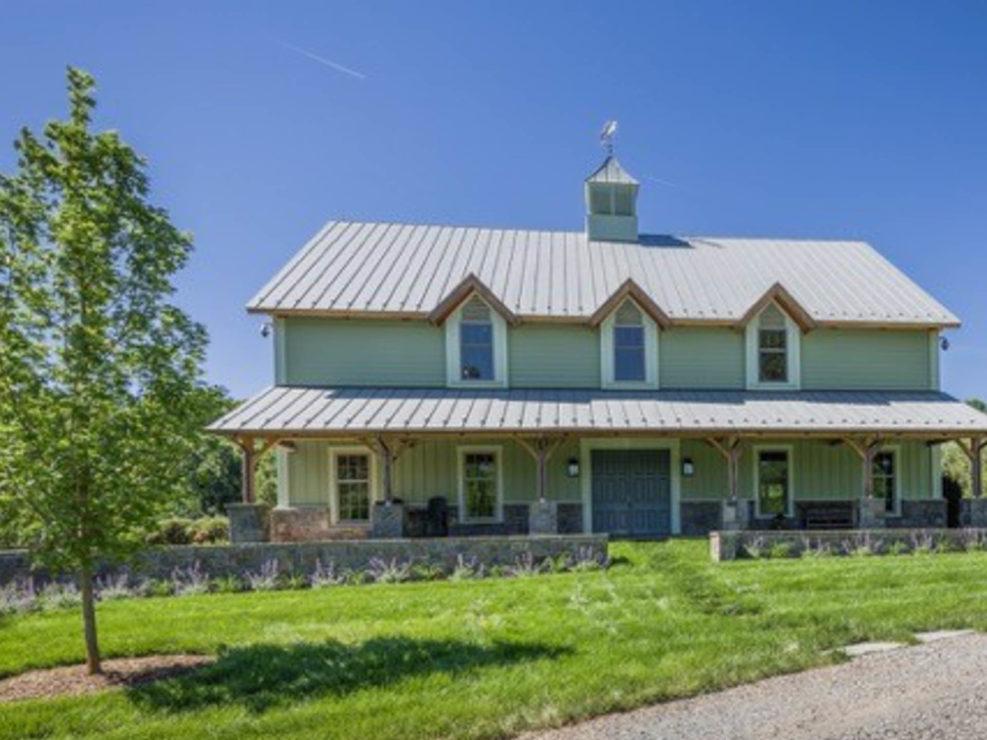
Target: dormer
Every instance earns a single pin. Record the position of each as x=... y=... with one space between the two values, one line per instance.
x=611 y=203
x=773 y=327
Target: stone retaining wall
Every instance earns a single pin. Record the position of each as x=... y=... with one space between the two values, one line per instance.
x=739 y=544
x=301 y=557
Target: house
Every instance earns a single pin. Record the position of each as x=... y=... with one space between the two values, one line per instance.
x=601 y=380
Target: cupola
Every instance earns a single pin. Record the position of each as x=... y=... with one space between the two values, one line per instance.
x=611 y=203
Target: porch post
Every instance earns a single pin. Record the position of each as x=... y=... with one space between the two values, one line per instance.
x=542 y=516
x=976 y=467
x=247 y=468
x=732 y=449
x=866 y=449
x=387 y=458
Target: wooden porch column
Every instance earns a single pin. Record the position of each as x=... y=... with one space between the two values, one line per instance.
x=972 y=449
x=542 y=448
x=866 y=449
x=251 y=455
x=388 y=450
x=732 y=449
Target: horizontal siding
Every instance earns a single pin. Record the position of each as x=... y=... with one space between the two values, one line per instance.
x=702 y=358
x=554 y=356
x=323 y=351
x=865 y=359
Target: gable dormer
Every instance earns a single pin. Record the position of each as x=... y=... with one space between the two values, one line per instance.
x=611 y=203
x=773 y=336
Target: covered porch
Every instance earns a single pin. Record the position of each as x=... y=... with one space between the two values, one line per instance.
x=356 y=463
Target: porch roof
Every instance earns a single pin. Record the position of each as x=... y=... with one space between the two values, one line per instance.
x=281 y=411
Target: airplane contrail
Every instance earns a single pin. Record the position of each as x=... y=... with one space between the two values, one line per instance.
x=327 y=62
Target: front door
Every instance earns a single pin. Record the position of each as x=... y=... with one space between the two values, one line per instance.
x=632 y=492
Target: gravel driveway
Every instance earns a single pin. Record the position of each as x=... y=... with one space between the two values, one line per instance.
x=936 y=690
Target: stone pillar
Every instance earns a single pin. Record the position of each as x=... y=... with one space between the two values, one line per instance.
x=543 y=518
x=249 y=522
x=973 y=512
x=387 y=520
x=871 y=513
x=734 y=514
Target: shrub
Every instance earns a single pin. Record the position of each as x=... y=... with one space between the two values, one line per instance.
x=60 y=596
x=427 y=572
x=18 y=597
x=526 y=565
x=228 y=584
x=295 y=582
x=164 y=587
x=210 y=530
x=176 y=530
x=467 y=567
x=821 y=550
x=780 y=550
x=898 y=547
x=498 y=571
x=587 y=559
x=356 y=577
x=189 y=581
x=327 y=575
x=559 y=564
x=268 y=578
x=111 y=589
x=383 y=571
x=754 y=548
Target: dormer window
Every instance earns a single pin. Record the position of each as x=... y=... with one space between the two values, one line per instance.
x=628 y=344
x=476 y=344
x=629 y=348
x=773 y=344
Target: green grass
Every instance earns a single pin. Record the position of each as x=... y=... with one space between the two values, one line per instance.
x=485 y=658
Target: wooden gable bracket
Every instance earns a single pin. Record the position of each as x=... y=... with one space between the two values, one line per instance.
x=388 y=448
x=777 y=293
x=732 y=449
x=630 y=289
x=460 y=294
x=541 y=449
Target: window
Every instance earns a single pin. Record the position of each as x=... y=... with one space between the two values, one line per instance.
x=476 y=353
x=773 y=351
x=773 y=482
x=885 y=485
x=479 y=485
x=353 y=487
x=628 y=344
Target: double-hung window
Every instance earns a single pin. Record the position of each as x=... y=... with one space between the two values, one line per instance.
x=476 y=342
x=479 y=484
x=628 y=344
x=772 y=347
x=773 y=482
x=353 y=487
x=885 y=483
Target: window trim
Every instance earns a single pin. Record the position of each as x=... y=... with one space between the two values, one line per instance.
x=651 y=351
x=453 y=359
x=335 y=452
x=895 y=451
x=498 y=453
x=793 y=349
x=790 y=503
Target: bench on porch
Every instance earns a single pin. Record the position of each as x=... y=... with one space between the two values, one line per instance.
x=826 y=515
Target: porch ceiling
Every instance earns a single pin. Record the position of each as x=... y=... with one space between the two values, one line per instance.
x=339 y=412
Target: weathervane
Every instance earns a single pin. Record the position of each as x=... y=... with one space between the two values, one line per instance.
x=606 y=136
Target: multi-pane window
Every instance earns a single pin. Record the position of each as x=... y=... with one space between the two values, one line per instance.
x=476 y=353
x=772 y=347
x=480 y=485
x=773 y=482
x=353 y=487
x=884 y=479
x=628 y=344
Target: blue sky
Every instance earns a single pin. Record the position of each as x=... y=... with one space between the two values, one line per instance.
x=806 y=119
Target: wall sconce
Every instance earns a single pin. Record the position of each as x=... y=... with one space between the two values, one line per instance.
x=688 y=468
x=572 y=468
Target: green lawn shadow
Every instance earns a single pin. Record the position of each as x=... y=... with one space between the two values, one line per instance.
x=260 y=677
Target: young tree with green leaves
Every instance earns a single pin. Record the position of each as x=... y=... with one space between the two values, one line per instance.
x=99 y=400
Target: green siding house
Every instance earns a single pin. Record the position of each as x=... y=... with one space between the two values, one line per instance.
x=538 y=382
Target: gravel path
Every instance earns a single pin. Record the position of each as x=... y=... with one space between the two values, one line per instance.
x=936 y=690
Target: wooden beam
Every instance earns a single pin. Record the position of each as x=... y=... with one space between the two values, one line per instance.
x=732 y=448
x=541 y=449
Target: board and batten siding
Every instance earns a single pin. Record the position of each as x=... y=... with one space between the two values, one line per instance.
x=554 y=356
x=867 y=359
x=699 y=357
x=822 y=471
x=321 y=351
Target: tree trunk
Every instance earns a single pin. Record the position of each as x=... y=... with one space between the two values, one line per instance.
x=93 y=664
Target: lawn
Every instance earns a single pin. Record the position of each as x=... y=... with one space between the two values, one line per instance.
x=485 y=658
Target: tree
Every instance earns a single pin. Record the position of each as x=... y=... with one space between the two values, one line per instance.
x=97 y=370
x=955 y=463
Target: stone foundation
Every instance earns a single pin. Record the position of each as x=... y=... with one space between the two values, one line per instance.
x=699 y=518
x=570 y=517
x=387 y=521
x=222 y=560
x=921 y=513
x=249 y=522
x=310 y=524
x=543 y=518
x=973 y=512
x=733 y=545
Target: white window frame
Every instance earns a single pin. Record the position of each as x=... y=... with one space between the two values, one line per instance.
x=335 y=452
x=790 y=503
x=498 y=453
x=895 y=451
x=793 y=355
x=453 y=365
x=651 y=350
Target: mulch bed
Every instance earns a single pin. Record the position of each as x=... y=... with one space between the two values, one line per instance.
x=117 y=673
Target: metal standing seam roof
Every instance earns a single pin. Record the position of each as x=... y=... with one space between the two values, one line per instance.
x=314 y=411
x=406 y=269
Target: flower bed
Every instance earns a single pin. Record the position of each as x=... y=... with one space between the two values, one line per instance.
x=862 y=542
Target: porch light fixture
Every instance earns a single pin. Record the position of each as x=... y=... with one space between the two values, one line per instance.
x=688 y=468
x=572 y=468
